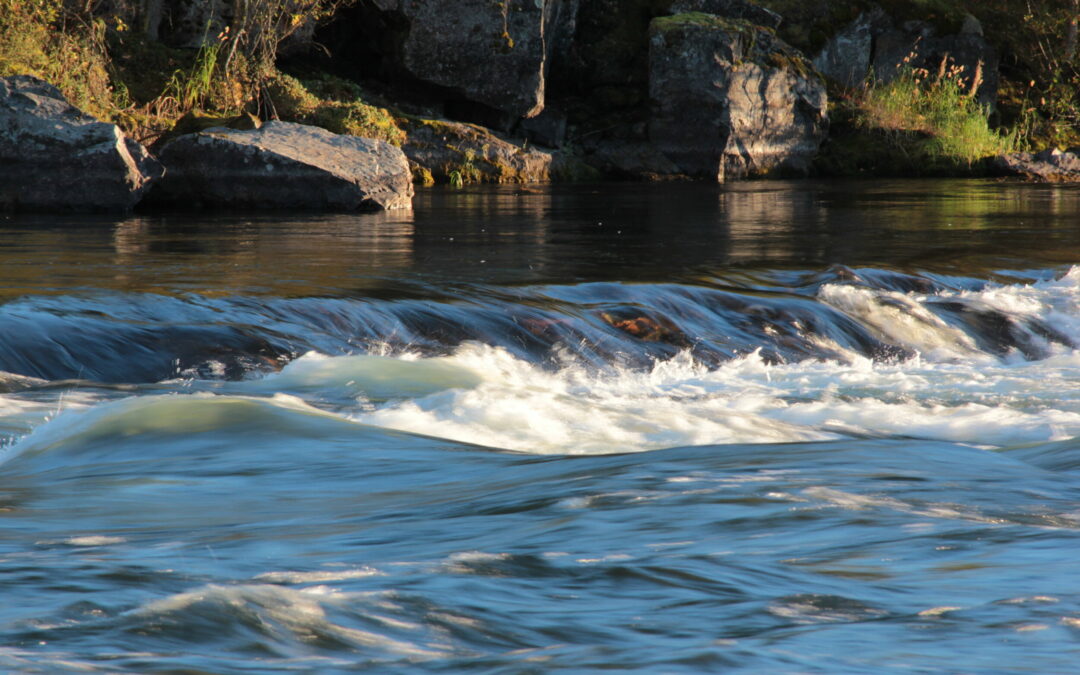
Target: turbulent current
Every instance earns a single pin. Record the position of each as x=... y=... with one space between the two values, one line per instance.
x=775 y=427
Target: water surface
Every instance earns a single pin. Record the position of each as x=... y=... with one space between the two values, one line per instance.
x=765 y=427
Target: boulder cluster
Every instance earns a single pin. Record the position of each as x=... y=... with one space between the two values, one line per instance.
x=53 y=157
x=623 y=88
x=696 y=88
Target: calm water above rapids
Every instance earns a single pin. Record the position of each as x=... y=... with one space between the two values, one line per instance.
x=766 y=428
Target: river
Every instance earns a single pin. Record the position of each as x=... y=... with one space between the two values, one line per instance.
x=785 y=427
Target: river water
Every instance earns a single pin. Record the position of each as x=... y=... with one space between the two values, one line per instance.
x=785 y=427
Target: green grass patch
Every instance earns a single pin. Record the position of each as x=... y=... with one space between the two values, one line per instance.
x=941 y=107
x=915 y=124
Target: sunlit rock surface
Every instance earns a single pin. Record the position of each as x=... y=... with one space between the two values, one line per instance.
x=730 y=99
x=54 y=157
x=283 y=166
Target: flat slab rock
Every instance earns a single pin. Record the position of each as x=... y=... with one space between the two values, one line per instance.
x=283 y=166
x=55 y=157
x=1049 y=166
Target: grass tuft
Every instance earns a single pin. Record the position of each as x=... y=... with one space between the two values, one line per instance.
x=939 y=110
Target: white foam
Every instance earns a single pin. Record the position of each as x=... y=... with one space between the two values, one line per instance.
x=320 y=577
x=949 y=391
x=300 y=612
x=94 y=540
x=522 y=407
x=900 y=319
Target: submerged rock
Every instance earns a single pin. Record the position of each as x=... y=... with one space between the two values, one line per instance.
x=54 y=157
x=730 y=99
x=282 y=165
x=1048 y=166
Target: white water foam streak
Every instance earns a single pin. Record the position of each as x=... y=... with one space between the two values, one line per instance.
x=678 y=402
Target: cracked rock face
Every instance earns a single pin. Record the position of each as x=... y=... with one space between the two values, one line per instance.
x=492 y=52
x=283 y=166
x=730 y=99
x=54 y=157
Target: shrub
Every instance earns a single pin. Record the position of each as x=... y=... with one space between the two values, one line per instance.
x=66 y=48
x=941 y=107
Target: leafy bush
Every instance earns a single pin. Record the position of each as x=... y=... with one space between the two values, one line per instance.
x=63 y=47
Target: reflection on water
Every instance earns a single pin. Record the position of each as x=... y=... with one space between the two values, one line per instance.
x=514 y=234
x=284 y=443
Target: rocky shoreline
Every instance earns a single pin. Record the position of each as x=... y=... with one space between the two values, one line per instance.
x=500 y=91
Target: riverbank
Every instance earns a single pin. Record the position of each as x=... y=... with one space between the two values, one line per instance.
x=583 y=89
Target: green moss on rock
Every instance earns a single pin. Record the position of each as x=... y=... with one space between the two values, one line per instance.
x=460 y=153
x=666 y=24
x=295 y=102
x=291 y=99
x=760 y=45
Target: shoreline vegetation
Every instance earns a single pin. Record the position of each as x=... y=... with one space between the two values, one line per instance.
x=161 y=68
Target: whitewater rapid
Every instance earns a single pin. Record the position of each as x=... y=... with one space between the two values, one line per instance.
x=947 y=382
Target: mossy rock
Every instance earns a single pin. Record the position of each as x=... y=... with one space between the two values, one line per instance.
x=460 y=154
x=421 y=175
x=341 y=111
x=357 y=118
x=665 y=24
x=291 y=99
x=196 y=121
x=760 y=44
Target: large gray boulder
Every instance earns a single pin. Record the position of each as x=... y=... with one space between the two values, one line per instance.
x=492 y=52
x=1048 y=166
x=730 y=99
x=283 y=166
x=54 y=157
